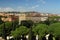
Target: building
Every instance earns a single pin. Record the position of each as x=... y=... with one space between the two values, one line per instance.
x=34 y=16
x=8 y=16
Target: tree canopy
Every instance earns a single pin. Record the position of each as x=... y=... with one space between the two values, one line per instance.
x=40 y=29
x=27 y=23
x=22 y=30
x=55 y=29
x=1 y=20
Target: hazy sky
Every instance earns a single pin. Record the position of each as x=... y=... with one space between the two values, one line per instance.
x=51 y=6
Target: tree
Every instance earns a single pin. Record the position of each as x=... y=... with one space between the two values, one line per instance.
x=15 y=24
x=1 y=30
x=22 y=30
x=52 y=19
x=8 y=27
x=5 y=29
x=54 y=29
x=1 y=20
x=40 y=29
x=27 y=23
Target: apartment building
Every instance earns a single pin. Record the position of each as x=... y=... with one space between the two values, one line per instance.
x=22 y=16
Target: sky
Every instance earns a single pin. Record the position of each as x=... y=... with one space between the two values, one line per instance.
x=45 y=6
